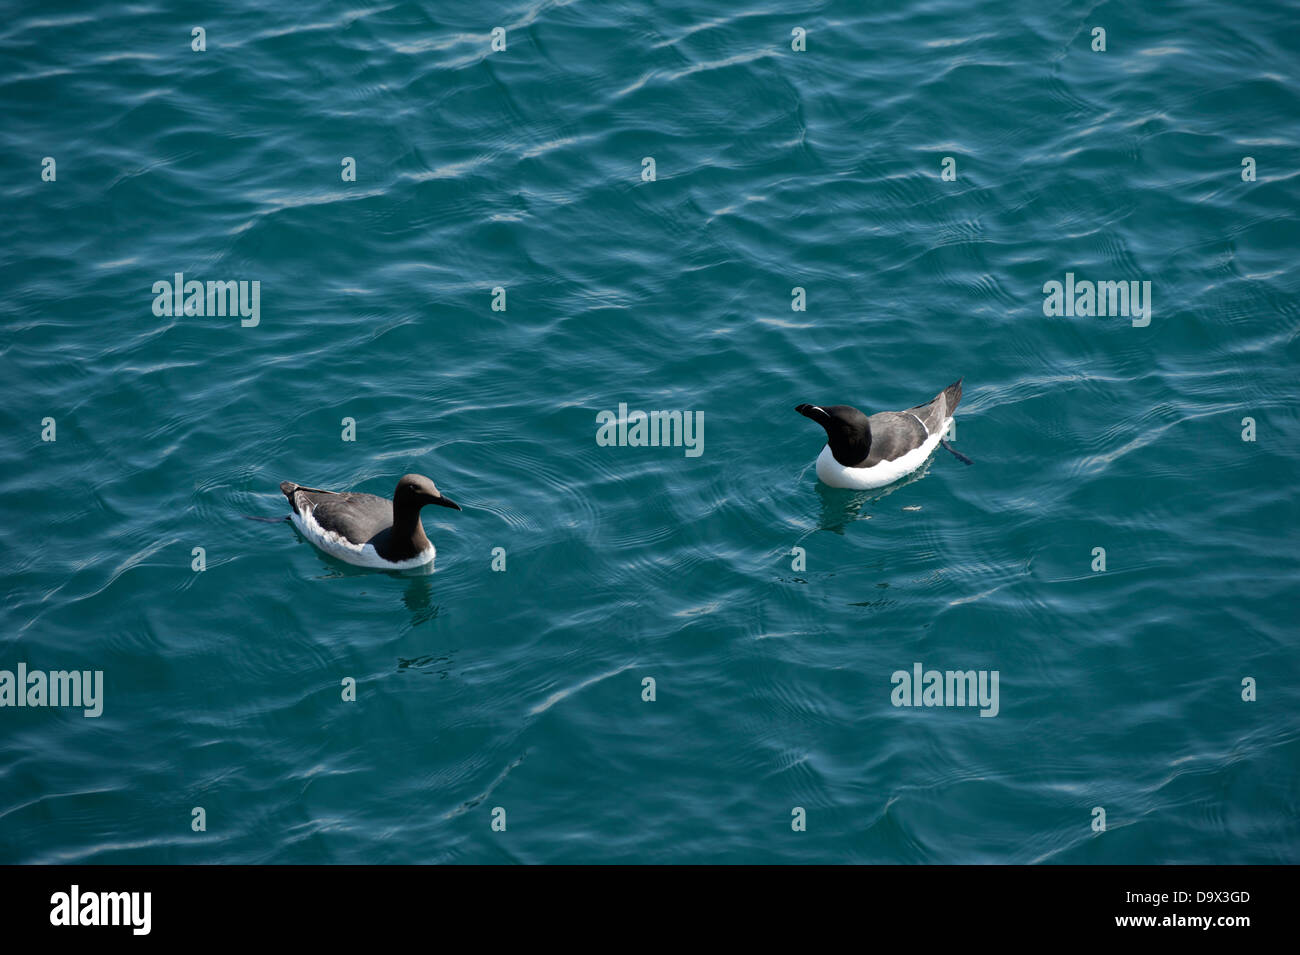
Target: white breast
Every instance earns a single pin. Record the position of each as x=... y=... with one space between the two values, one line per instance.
x=363 y=555
x=886 y=472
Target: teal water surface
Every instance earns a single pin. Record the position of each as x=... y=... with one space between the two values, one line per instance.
x=522 y=689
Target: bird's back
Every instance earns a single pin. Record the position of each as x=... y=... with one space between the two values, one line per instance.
x=352 y=515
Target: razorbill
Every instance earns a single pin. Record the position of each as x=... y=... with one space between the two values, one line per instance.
x=365 y=529
x=865 y=452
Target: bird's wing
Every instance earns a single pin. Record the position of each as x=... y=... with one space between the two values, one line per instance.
x=354 y=517
x=893 y=434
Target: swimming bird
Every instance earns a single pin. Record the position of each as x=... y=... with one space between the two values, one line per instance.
x=365 y=529
x=865 y=452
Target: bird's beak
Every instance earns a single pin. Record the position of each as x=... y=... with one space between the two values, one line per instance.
x=446 y=502
x=815 y=413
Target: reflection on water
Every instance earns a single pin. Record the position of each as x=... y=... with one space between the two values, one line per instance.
x=430 y=663
x=841 y=507
x=418 y=598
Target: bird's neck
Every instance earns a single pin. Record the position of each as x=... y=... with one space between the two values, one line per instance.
x=851 y=452
x=407 y=533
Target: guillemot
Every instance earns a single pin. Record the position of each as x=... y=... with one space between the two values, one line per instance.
x=365 y=529
x=867 y=452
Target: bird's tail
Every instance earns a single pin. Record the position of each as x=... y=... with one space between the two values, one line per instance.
x=952 y=396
